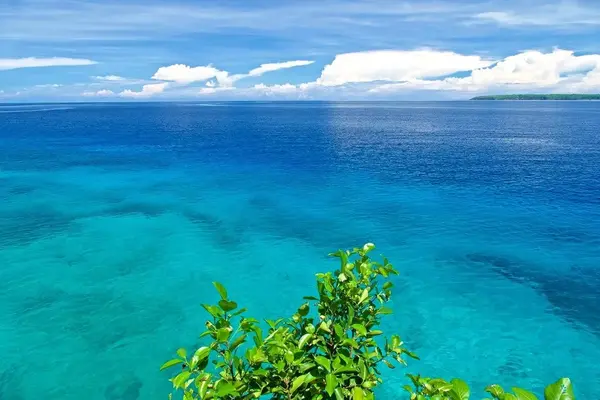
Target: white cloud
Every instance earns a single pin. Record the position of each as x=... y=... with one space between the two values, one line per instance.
x=49 y=85
x=559 y=70
x=99 y=93
x=147 y=91
x=184 y=74
x=558 y=14
x=33 y=62
x=110 y=78
x=270 y=67
x=213 y=90
x=285 y=88
x=396 y=66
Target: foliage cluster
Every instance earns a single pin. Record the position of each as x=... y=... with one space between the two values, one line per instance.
x=331 y=348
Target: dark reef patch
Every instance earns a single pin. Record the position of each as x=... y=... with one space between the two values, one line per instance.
x=574 y=294
x=125 y=388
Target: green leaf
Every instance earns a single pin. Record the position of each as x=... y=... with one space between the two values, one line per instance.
x=171 y=363
x=364 y=372
x=181 y=352
x=324 y=362
x=225 y=388
x=306 y=366
x=560 y=390
x=495 y=390
x=357 y=393
x=258 y=339
x=396 y=341
x=389 y=364
x=203 y=387
x=237 y=342
x=363 y=296
x=339 y=393
x=296 y=383
x=227 y=305
x=240 y=311
x=180 y=379
x=368 y=247
x=523 y=394
x=410 y=354
x=384 y=311
x=310 y=298
x=360 y=329
x=350 y=315
x=460 y=390
x=221 y=289
x=323 y=326
x=305 y=338
x=200 y=354
x=303 y=310
x=331 y=384
x=223 y=334
x=339 y=331
x=213 y=310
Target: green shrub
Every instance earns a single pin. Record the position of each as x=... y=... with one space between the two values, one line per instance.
x=331 y=348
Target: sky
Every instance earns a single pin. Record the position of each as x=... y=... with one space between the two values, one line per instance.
x=145 y=50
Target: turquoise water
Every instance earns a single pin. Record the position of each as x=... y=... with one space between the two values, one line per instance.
x=115 y=219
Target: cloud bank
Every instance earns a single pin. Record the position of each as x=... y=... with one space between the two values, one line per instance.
x=184 y=74
x=388 y=74
x=559 y=70
x=396 y=66
x=147 y=91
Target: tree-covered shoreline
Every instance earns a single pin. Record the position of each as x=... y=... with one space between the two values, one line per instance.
x=539 y=97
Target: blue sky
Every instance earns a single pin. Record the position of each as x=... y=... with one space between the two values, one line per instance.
x=127 y=50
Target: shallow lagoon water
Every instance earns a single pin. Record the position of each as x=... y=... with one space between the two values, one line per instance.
x=115 y=218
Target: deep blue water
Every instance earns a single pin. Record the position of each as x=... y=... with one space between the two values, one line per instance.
x=114 y=220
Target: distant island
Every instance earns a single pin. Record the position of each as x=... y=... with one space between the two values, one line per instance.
x=539 y=97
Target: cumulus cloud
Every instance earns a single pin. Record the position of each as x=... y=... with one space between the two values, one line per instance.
x=213 y=90
x=110 y=78
x=184 y=74
x=529 y=70
x=285 y=88
x=147 y=91
x=396 y=66
x=33 y=62
x=99 y=93
x=364 y=74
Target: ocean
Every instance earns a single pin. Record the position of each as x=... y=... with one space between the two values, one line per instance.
x=116 y=218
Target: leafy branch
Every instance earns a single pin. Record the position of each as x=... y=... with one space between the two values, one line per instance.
x=331 y=348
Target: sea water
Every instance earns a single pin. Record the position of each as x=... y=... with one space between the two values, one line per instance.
x=116 y=218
